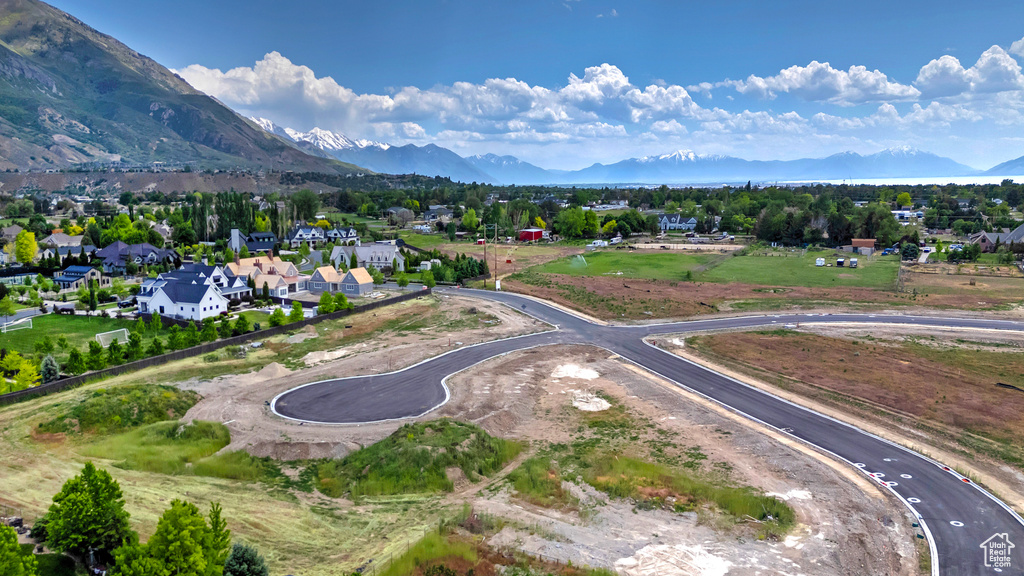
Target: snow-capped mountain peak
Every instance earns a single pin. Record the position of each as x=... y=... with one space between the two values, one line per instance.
x=328 y=140
x=318 y=137
x=267 y=125
x=901 y=151
x=679 y=156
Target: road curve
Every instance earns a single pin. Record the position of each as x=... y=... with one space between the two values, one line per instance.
x=958 y=515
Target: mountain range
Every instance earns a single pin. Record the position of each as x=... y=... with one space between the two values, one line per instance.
x=681 y=167
x=71 y=95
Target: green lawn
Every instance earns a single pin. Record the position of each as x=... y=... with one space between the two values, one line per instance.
x=79 y=330
x=53 y=564
x=792 y=269
x=425 y=241
x=657 y=266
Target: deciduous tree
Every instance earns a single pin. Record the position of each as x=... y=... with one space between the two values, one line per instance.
x=14 y=563
x=88 y=514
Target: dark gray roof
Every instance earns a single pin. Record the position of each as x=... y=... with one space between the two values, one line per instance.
x=198 y=268
x=184 y=291
x=77 y=270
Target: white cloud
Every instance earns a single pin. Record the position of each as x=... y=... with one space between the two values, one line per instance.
x=819 y=81
x=668 y=127
x=1017 y=48
x=995 y=71
x=934 y=116
x=602 y=115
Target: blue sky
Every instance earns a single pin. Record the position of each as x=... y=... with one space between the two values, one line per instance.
x=565 y=83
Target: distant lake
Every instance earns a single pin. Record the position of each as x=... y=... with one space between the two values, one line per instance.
x=922 y=180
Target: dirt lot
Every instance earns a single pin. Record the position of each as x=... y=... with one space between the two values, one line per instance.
x=927 y=388
x=967 y=286
x=843 y=527
x=243 y=399
x=614 y=298
x=611 y=298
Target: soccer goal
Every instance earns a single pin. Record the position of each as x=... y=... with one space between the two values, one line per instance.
x=16 y=325
x=105 y=338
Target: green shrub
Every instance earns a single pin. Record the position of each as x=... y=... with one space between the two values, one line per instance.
x=117 y=409
x=414 y=459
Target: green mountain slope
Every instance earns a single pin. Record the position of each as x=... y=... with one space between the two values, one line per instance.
x=69 y=94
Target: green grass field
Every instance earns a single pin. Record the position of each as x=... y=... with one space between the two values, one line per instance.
x=427 y=241
x=164 y=447
x=655 y=266
x=79 y=330
x=792 y=269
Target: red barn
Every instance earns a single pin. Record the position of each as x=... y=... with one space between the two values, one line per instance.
x=530 y=234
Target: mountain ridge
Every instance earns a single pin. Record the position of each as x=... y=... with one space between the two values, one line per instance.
x=70 y=95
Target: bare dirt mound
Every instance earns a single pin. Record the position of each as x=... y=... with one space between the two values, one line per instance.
x=298 y=450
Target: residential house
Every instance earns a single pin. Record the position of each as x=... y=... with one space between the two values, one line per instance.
x=399 y=215
x=165 y=231
x=989 y=240
x=116 y=256
x=193 y=292
x=676 y=222
x=344 y=235
x=277 y=286
x=326 y=279
x=11 y=232
x=74 y=277
x=259 y=267
x=862 y=246
x=357 y=282
x=438 y=213
x=312 y=236
x=60 y=239
x=254 y=242
x=379 y=255
x=64 y=251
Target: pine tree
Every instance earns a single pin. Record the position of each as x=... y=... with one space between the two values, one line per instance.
x=49 y=369
x=191 y=335
x=76 y=363
x=156 y=347
x=244 y=560
x=96 y=361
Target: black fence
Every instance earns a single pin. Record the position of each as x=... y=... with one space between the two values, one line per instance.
x=74 y=381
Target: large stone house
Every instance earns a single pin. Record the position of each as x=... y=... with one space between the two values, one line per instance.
x=676 y=222
x=380 y=256
x=116 y=256
x=74 y=277
x=259 y=266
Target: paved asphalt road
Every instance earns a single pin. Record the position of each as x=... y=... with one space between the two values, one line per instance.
x=958 y=515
